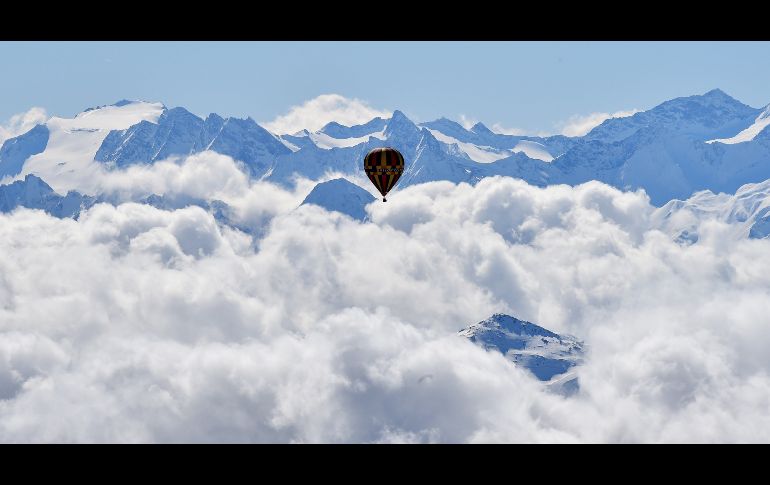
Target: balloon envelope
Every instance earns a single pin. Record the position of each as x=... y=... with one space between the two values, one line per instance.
x=384 y=167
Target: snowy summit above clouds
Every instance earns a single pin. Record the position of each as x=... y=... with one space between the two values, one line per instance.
x=537 y=349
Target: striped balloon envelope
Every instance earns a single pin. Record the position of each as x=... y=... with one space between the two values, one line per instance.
x=384 y=167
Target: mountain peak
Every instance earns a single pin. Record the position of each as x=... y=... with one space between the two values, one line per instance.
x=481 y=129
x=340 y=131
x=402 y=127
x=716 y=98
x=513 y=325
x=450 y=128
x=213 y=117
x=716 y=92
x=399 y=116
x=719 y=97
x=332 y=125
x=544 y=353
x=34 y=180
x=340 y=195
x=178 y=112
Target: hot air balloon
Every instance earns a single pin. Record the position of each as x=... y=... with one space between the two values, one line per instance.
x=384 y=167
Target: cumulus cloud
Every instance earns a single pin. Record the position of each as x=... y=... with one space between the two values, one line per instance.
x=317 y=112
x=579 y=125
x=135 y=324
x=22 y=122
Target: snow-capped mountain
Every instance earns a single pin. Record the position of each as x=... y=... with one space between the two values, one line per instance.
x=680 y=147
x=703 y=142
x=342 y=196
x=700 y=117
x=549 y=356
x=670 y=151
x=62 y=150
x=179 y=132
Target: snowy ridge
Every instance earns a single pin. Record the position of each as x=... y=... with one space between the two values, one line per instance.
x=701 y=117
x=485 y=146
x=664 y=150
x=748 y=134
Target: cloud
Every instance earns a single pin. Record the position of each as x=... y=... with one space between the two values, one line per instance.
x=22 y=122
x=467 y=122
x=134 y=324
x=579 y=125
x=207 y=176
x=498 y=128
x=317 y=112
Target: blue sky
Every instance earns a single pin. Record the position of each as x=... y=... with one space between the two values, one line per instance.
x=534 y=86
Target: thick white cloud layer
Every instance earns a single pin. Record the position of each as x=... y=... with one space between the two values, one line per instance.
x=579 y=125
x=315 y=113
x=22 y=122
x=137 y=324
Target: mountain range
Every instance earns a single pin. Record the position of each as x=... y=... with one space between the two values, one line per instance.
x=688 y=145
